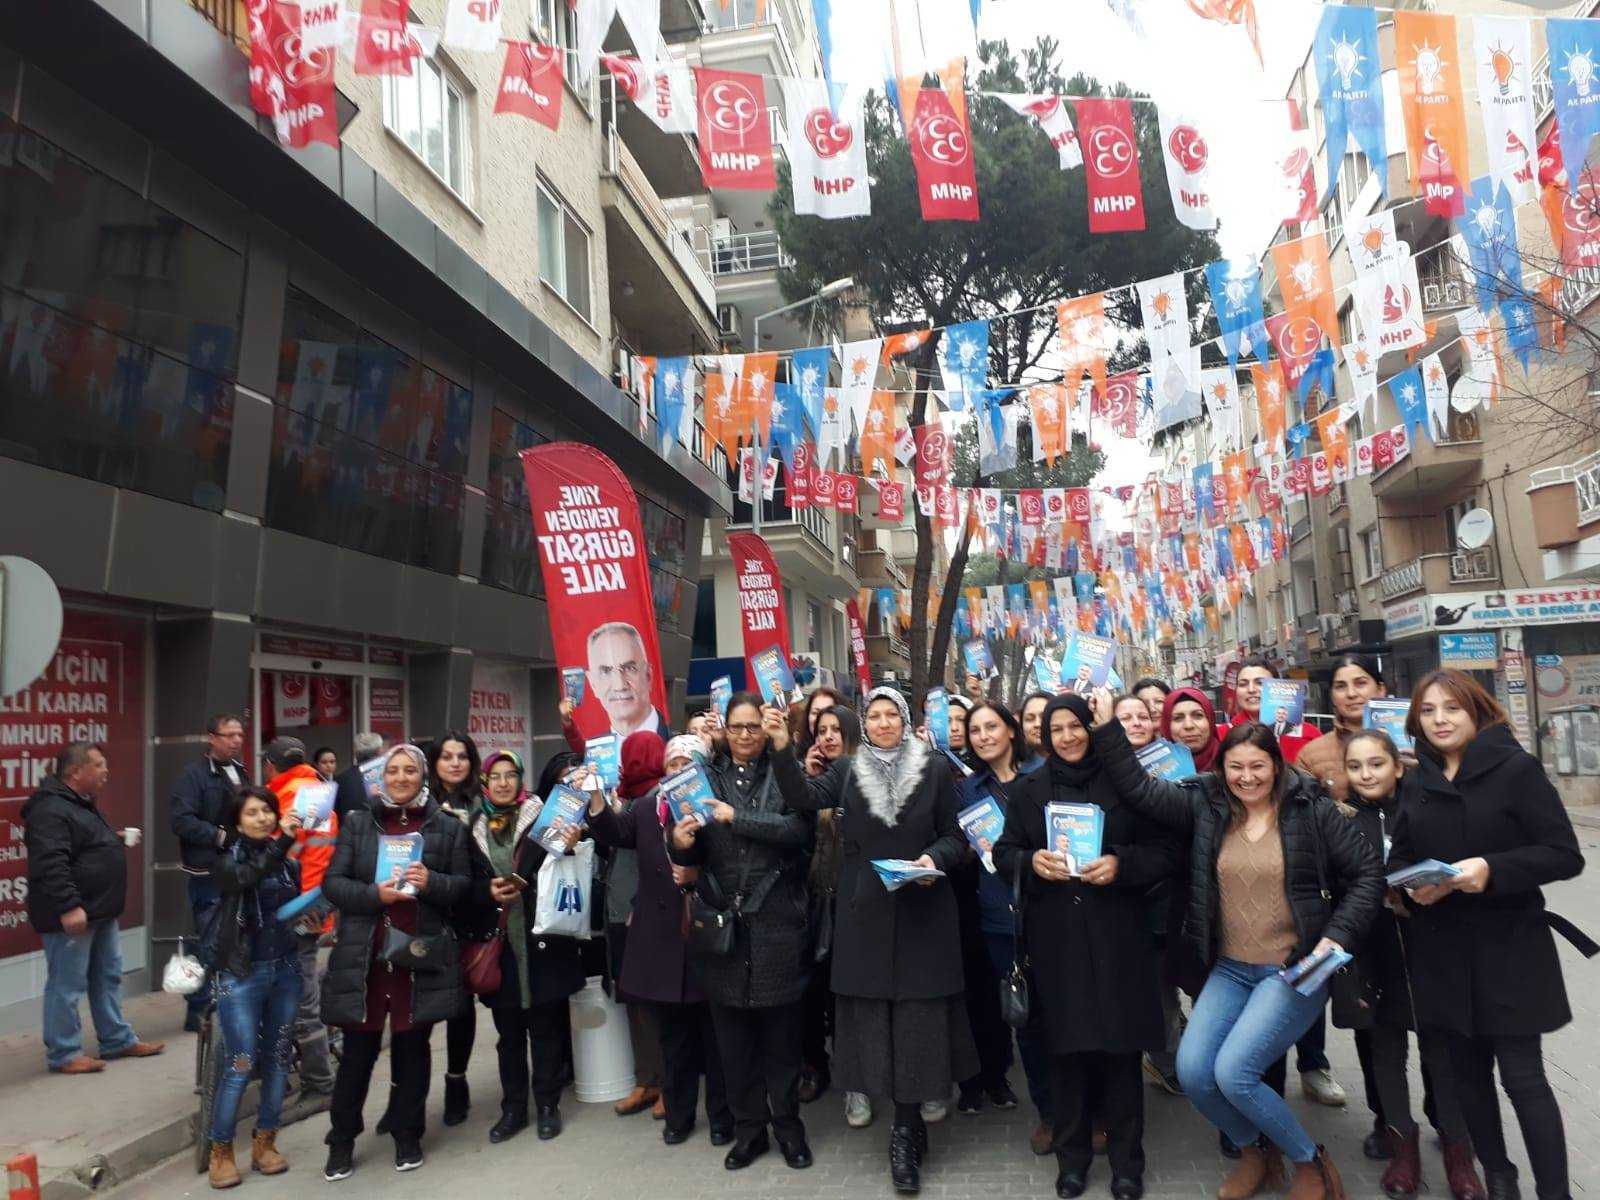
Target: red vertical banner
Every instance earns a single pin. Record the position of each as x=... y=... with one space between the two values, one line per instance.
x=762 y=620
x=941 y=151
x=735 y=132
x=1111 y=166
x=383 y=43
x=330 y=700
x=858 y=646
x=597 y=585
x=386 y=709
x=289 y=83
x=933 y=455
x=845 y=490
x=891 y=501
x=797 y=476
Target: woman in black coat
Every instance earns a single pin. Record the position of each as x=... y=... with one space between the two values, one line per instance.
x=538 y=972
x=1483 y=962
x=455 y=779
x=362 y=993
x=901 y=1023
x=655 y=958
x=752 y=857
x=1096 y=974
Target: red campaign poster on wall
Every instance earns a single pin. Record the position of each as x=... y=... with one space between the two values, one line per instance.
x=761 y=616
x=386 y=709
x=941 y=151
x=858 y=646
x=735 y=133
x=93 y=690
x=330 y=700
x=291 y=700
x=597 y=586
x=1111 y=166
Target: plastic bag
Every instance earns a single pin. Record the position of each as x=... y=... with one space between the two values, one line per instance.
x=183 y=975
x=566 y=890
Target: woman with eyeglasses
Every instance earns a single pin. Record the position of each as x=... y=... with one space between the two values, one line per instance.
x=752 y=857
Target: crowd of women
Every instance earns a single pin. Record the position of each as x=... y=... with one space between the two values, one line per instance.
x=759 y=951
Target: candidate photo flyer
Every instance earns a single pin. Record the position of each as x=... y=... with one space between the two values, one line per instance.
x=688 y=794
x=1283 y=701
x=565 y=808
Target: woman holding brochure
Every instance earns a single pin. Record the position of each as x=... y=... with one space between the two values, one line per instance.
x=397 y=959
x=1483 y=962
x=902 y=1029
x=1357 y=679
x=455 y=778
x=1087 y=933
x=752 y=859
x=1276 y=874
x=655 y=961
x=538 y=972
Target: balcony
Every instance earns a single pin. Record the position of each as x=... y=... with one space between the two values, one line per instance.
x=741 y=253
x=229 y=16
x=754 y=35
x=1566 y=518
x=658 y=283
x=810 y=546
x=889 y=652
x=1338 y=500
x=878 y=568
x=1446 y=281
x=1433 y=469
x=1440 y=573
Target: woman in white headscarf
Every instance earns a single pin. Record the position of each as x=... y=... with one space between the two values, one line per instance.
x=901 y=1030
x=397 y=960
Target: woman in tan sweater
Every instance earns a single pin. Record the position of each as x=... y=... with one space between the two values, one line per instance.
x=1356 y=679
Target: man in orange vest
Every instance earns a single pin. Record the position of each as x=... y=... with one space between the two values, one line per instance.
x=288 y=772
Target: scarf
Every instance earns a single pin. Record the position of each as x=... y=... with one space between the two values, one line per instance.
x=416 y=756
x=1206 y=757
x=501 y=817
x=888 y=778
x=887 y=758
x=1084 y=775
x=643 y=756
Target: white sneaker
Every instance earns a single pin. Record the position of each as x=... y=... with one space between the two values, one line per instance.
x=935 y=1110
x=857 y=1110
x=1321 y=1086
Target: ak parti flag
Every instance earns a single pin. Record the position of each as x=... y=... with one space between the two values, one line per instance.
x=735 y=133
x=941 y=152
x=719 y=417
x=755 y=396
x=1270 y=404
x=531 y=83
x=1047 y=408
x=877 y=438
x=1081 y=323
x=1429 y=61
x=1111 y=166
x=1306 y=281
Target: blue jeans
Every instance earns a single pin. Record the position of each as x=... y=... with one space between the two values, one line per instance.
x=256 y=1013
x=1031 y=1046
x=92 y=963
x=1245 y=1020
x=203 y=897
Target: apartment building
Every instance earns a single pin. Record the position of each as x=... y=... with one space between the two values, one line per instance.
x=261 y=408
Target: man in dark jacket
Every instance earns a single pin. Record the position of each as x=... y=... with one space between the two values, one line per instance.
x=353 y=795
x=77 y=885
x=196 y=814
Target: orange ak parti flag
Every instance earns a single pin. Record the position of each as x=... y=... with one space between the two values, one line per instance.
x=877 y=438
x=1305 y=279
x=1429 y=60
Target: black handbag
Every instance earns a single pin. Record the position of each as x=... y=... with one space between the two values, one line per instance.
x=821 y=920
x=418 y=953
x=1015 y=1001
x=712 y=923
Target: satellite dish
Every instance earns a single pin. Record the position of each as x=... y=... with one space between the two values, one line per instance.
x=30 y=622
x=1474 y=529
x=1470 y=393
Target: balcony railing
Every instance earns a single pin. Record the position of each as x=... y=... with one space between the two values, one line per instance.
x=742 y=252
x=1474 y=566
x=1337 y=498
x=229 y=16
x=1440 y=572
x=1586 y=475
x=622 y=166
x=1398 y=581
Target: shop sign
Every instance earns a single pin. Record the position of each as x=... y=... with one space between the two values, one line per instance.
x=1469 y=651
x=1451 y=611
x=500 y=711
x=1563 y=679
x=387 y=709
x=294 y=647
x=1407 y=617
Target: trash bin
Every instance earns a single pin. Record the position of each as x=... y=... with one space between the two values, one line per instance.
x=602 y=1051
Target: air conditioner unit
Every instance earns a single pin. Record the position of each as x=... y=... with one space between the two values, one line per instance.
x=721 y=229
x=728 y=322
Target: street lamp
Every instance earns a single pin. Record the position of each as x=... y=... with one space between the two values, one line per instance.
x=827 y=292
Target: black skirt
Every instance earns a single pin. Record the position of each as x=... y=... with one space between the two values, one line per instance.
x=907 y=1051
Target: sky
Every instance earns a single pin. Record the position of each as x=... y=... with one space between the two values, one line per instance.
x=1205 y=70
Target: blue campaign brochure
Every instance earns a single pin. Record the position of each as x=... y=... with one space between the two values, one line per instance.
x=1087 y=663
x=1074 y=831
x=937 y=709
x=1166 y=760
x=721 y=696
x=562 y=809
x=395 y=854
x=1390 y=716
x=1314 y=971
x=983 y=823
x=1047 y=673
x=773 y=676
x=688 y=794
x=1423 y=874
x=980 y=661
x=572 y=684
x=897 y=872
x=372 y=775
x=314 y=803
x=1283 y=704
x=604 y=755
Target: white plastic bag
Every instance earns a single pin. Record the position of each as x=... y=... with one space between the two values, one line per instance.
x=566 y=887
x=183 y=975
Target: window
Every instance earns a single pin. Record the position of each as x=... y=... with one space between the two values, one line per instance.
x=1333 y=219
x=1371 y=552
x=1356 y=170
x=813 y=627
x=1452 y=519
x=563 y=252
x=428 y=110
x=555 y=23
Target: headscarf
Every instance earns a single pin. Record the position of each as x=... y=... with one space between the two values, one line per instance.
x=1206 y=757
x=887 y=758
x=1084 y=775
x=643 y=754
x=497 y=816
x=416 y=755
x=685 y=745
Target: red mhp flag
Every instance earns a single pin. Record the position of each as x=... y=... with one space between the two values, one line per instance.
x=798 y=476
x=735 y=134
x=1111 y=166
x=383 y=43
x=292 y=86
x=845 y=489
x=933 y=455
x=941 y=151
x=891 y=501
x=530 y=84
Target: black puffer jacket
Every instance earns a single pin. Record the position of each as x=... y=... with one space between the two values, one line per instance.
x=348 y=886
x=240 y=871
x=75 y=859
x=1333 y=878
x=763 y=852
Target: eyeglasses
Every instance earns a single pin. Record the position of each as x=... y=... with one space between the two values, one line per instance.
x=744 y=729
x=504 y=777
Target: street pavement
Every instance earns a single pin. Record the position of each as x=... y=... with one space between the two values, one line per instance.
x=603 y=1156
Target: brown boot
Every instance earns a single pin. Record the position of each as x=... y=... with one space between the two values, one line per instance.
x=1461 y=1170
x=1257 y=1170
x=1316 y=1180
x=223 y=1173
x=264 y=1156
x=1403 y=1176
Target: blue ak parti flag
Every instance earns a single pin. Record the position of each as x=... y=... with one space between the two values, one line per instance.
x=670 y=376
x=1236 y=294
x=1489 y=227
x=1411 y=400
x=1575 y=73
x=808 y=372
x=1350 y=86
x=964 y=360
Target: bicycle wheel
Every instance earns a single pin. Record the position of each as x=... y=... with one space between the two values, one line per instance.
x=212 y=1065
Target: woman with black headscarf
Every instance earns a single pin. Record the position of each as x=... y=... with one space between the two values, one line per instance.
x=901 y=1022
x=1086 y=930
